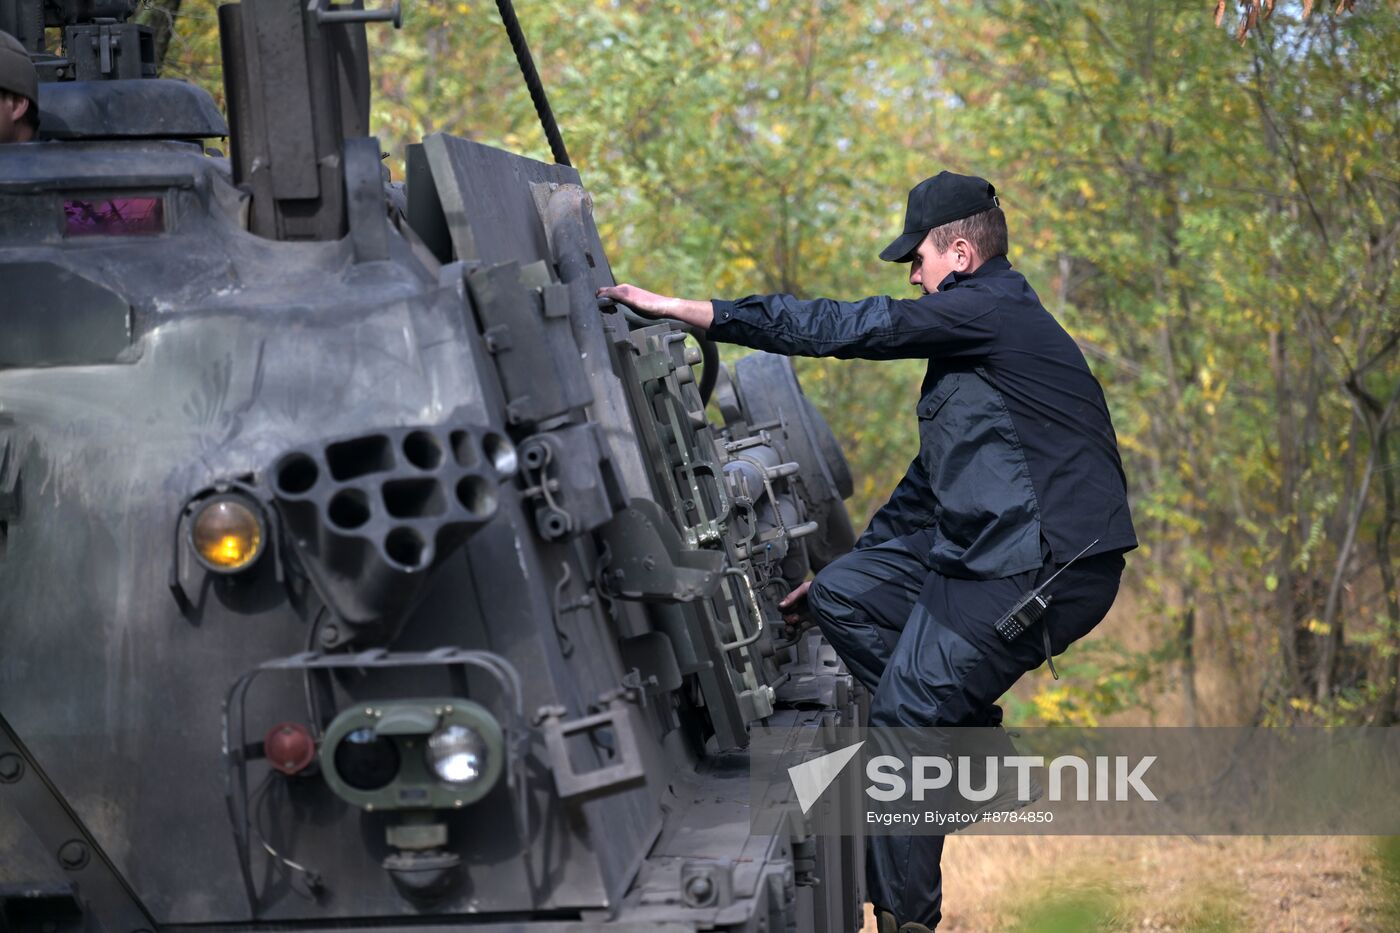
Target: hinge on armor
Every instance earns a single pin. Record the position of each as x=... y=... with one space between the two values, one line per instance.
x=649 y=562
x=524 y=316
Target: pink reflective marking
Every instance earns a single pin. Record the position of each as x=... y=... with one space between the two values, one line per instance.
x=113 y=216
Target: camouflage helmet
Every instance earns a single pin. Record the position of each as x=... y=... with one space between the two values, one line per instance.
x=17 y=74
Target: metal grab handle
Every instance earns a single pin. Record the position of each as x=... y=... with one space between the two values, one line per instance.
x=754 y=611
x=326 y=14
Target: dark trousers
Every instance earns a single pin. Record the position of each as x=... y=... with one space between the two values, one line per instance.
x=923 y=644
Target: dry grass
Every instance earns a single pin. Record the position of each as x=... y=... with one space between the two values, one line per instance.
x=1158 y=883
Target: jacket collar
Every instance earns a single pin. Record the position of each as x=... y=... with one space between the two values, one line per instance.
x=995 y=264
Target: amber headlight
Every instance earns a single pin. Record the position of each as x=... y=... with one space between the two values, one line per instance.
x=227 y=533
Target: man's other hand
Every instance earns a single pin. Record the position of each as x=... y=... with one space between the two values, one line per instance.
x=796 y=612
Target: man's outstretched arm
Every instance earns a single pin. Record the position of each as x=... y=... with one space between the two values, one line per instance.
x=941 y=324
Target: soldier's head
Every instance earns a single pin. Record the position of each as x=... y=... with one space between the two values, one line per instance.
x=19 y=92
x=953 y=224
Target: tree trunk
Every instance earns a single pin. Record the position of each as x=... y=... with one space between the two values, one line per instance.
x=1188 y=663
x=1285 y=594
x=1390 y=517
x=1331 y=620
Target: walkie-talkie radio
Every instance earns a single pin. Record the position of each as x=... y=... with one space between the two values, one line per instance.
x=1030 y=609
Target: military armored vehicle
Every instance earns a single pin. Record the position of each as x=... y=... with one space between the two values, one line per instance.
x=357 y=569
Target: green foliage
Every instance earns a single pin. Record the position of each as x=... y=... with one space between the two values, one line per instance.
x=1081 y=905
x=193 y=51
x=1097 y=679
x=1076 y=912
x=1067 y=915
x=1388 y=857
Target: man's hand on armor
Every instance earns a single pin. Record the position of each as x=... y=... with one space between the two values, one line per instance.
x=699 y=314
x=648 y=304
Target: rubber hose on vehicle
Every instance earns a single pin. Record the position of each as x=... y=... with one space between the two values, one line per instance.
x=709 y=355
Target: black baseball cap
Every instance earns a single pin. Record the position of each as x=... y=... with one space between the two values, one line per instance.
x=936 y=201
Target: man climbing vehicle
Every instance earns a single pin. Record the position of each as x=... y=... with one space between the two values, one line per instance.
x=1017 y=474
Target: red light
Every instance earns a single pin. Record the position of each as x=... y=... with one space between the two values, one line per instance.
x=289 y=748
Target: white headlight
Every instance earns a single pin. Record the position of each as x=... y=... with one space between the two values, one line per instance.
x=457 y=754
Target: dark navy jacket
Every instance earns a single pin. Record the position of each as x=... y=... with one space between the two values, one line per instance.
x=1015 y=440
